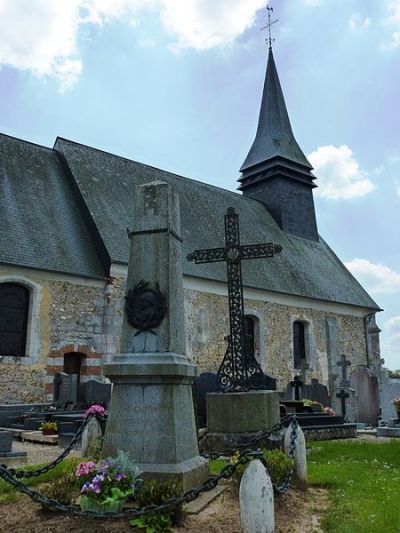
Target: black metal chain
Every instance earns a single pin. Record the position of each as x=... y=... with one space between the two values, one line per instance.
x=246 y=455
x=50 y=466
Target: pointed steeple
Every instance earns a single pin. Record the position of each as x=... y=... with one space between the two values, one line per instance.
x=274 y=137
x=276 y=172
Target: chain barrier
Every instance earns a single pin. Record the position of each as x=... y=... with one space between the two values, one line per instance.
x=246 y=455
x=34 y=473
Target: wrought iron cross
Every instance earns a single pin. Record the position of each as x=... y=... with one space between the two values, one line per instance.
x=344 y=364
x=239 y=371
x=269 y=25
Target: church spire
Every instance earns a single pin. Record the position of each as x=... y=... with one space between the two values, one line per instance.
x=274 y=137
x=276 y=171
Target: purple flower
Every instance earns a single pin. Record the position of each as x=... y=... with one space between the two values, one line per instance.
x=118 y=477
x=85 y=468
x=85 y=487
x=96 y=410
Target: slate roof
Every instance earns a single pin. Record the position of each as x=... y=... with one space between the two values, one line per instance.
x=274 y=137
x=41 y=225
x=306 y=268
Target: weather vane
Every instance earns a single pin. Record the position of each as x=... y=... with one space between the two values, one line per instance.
x=269 y=40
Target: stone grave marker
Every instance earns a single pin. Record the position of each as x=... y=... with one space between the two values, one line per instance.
x=256 y=497
x=93 y=391
x=390 y=389
x=316 y=392
x=299 y=478
x=366 y=387
x=205 y=383
x=65 y=388
x=151 y=413
x=91 y=438
x=7 y=456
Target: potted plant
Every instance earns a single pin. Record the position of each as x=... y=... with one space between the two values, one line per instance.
x=49 y=428
x=105 y=486
x=396 y=403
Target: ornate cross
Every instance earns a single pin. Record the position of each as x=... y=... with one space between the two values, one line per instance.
x=269 y=25
x=239 y=371
x=344 y=364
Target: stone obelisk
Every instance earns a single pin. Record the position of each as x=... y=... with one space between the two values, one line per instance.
x=151 y=411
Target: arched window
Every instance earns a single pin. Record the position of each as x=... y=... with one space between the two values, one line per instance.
x=14 y=309
x=299 y=344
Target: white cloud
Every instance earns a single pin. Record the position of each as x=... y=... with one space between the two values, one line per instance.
x=339 y=174
x=393 y=22
x=358 y=22
x=377 y=278
x=204 y=24
x=41 y=36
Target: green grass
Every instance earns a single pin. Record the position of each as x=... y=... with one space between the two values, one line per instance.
x=364 y=485
x=9 y=494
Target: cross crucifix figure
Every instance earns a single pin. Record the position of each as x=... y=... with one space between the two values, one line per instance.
x=269 y=25
x=344 y=364
x=239 y=371
x=342 y=395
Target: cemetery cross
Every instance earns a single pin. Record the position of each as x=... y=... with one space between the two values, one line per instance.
x=239 y=370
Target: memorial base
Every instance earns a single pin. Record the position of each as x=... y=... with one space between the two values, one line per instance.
x=151 y=416
x=234 y=418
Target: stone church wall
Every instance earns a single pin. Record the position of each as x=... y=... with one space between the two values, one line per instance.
x=65 y=315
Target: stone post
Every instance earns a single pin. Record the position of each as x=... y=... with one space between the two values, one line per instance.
x=256 y=497
x=151 y=411
x=299 y=479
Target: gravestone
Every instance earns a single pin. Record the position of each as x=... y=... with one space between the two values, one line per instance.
x=294 y=389
x=366 y=388
x=91 y=438
x=151 y=412
x=5 y=441
x=316 y=392
x=256 y=496
x=390 y=388
x=205 y=383
x=7 y=456
x=93 y=391
x=65 y=388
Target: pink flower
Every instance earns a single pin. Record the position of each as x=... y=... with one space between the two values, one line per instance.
x=85 y=469
x=96 y=410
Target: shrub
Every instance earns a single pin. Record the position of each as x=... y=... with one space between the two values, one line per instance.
x=64 y=488
x=156 y=492
x=278 y=466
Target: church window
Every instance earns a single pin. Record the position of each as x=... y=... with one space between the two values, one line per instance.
x=299 y=344
x=14 y=309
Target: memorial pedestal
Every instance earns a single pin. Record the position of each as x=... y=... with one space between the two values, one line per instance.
x=233 y=418
x=152 y=418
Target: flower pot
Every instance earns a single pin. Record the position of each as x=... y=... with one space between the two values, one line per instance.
x=49 y=432
x=89 y=504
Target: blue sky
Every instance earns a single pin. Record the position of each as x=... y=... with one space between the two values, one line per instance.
x=177 y=84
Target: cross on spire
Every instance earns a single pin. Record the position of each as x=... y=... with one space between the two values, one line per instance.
x=269 y=40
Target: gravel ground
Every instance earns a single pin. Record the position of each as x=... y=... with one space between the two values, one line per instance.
x=37 y=453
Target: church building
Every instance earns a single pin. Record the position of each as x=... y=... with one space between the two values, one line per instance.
x=64 y=253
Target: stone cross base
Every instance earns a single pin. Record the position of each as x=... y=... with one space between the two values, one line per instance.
x=235 y=417
x=151 y=416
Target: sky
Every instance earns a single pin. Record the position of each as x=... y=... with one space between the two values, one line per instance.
x=177 y=84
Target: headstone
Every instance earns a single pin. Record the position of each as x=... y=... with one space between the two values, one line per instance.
x=299 y=478
x=256 y=498
x=295 y=389
x=390 y=388
x=348 y=397
x=5 y=441
x=91 y=439
x=151 y=412
x=65 y=388
x=366 y=387
x=206 y=382
x=93 y=391
x=317 y=392
x=269 y=382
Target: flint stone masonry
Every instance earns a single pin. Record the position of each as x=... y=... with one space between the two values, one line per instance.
x=256 y=498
